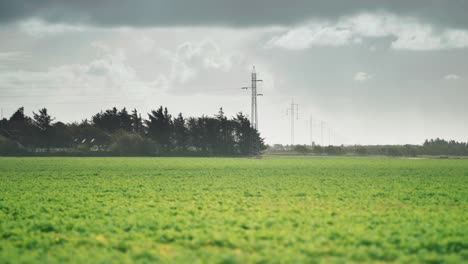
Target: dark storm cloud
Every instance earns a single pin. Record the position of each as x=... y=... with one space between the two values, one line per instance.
x=223 y=12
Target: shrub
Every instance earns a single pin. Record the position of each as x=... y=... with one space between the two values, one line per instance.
x=8 y=147
x=302 y=149
x=128 y=144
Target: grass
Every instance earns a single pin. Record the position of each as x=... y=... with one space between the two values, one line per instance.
x=227 y=210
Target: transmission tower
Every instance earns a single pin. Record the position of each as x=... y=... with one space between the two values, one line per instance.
x=254 y=113
x=294 y=110
x=253 y=87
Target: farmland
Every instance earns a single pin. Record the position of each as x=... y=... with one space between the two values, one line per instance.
x=233 y=210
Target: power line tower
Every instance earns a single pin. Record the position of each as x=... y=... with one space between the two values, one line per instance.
x=294 y=110
x=253 y=87
x=254 y=113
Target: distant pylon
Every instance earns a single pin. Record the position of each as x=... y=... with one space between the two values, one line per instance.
x=253 y=111
x=294 y=109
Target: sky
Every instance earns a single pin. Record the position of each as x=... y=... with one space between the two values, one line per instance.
x=368 y=71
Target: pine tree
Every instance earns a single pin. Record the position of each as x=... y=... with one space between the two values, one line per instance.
x=159 y=126
x=180 y=133
x=137 y=122
x=43 y=121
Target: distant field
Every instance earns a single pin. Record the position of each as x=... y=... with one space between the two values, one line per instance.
x=210 y=210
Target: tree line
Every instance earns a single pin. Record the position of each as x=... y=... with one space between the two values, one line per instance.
x=122 y=132
x=434 y=147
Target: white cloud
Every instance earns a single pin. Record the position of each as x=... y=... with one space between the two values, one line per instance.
x=104 y=75
x=39 y=28
x=320 y=34
x=200 y=60
x=407 y=33
x=362 y=76
x=193 y=67
x=451 y=77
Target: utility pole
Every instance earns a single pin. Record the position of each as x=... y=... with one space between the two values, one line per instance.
x=253 y=111
x=294 y=110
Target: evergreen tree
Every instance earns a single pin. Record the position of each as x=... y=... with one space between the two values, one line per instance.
x=180 y=133
x=108 y=121
x=137 y=122
x=226 y=141
x=125 y=120
x=20 y=128
x=159 y=126
x=243 y=134
x=195 y=134
x=43 y=122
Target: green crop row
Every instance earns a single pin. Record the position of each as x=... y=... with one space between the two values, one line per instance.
x=233 y=210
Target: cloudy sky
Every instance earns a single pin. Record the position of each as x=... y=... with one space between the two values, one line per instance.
x=374 y=71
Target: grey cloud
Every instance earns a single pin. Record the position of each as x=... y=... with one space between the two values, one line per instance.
x=406 y=33
x=239 y=13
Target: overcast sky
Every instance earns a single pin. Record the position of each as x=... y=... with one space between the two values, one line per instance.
x=374 y=71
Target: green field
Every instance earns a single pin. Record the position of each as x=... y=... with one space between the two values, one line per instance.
x=233 y=210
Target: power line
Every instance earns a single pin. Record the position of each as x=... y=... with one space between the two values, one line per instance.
x=335 y=137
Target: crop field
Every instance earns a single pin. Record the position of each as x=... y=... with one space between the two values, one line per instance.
x=233 y=210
